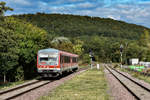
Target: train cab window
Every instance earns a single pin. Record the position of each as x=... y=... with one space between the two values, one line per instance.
x=48 y=59
x=52 y=59
x=44 y=59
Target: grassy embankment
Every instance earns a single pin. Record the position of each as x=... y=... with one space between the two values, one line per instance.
x=135 y=74
x=90 y=85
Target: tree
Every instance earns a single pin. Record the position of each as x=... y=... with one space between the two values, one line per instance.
x=145 y=39
x=8 y=51
x=115 y=52
x=4 y=8
x=78 y=47
x=135 y=51
x=62 y=43
x=6 y=44
x=76 y=26
x=19 y=43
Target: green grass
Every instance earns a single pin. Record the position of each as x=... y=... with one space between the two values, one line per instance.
x=138 y=68
x=90 y=85
x=84 y=66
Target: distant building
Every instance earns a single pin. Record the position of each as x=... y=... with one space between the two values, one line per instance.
x=134 y=61
x=146 y=64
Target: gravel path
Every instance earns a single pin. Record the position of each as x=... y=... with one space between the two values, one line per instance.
x=116 y=89
x=35 y=94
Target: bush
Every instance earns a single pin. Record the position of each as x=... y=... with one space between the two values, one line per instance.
x=86 y=58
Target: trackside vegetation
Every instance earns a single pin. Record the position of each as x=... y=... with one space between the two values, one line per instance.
x=138 y=75
x=141 y=74
x=19 y=43
x=90 y=85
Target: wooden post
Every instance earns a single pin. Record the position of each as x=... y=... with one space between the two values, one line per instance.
x=121 y=59
x=91 y=64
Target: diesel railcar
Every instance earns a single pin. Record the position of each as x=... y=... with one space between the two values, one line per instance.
x=52 y=62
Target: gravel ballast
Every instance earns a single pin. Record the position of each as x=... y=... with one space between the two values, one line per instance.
x=116 y=89
x=44 y=90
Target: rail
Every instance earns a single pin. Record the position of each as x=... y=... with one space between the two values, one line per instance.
x=139 y=91
x=24 y=88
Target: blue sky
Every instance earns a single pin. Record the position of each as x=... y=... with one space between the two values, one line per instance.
x=131 y=11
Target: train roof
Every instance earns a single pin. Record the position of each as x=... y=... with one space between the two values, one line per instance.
x=56 y=50
x=48 y=50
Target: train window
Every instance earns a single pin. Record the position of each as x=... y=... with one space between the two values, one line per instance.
x=66 y=59
x=61 y=58
x=74 y=59
x=48 y=58
x=52 y=59
x=44 y=59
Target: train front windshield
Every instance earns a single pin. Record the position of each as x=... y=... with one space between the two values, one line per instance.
x=48 y=58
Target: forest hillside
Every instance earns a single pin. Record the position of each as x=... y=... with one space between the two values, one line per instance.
x=75 y=25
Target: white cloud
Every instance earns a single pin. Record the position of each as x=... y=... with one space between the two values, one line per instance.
x=135 y=12
x=114 y=17
x=118 y=10
x=129 y=13
x=18 y=2
x=85 y=5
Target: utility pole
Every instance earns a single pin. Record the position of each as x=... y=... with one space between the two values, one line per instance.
x=121 y=50
x=121 y=59
x=90 y=54
x=126 y=46
x=91 y=63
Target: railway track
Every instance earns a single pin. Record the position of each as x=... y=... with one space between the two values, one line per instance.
x=139 y=91
x=19 y=90
x=26 y=87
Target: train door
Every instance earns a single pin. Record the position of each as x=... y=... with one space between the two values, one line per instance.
x=61 y=61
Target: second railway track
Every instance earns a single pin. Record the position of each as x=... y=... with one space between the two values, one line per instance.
x=138 y=90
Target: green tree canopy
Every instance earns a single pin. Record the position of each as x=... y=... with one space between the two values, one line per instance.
x=19 y=44
x=145 y=39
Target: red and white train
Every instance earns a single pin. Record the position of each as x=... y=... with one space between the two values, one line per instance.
x=52 y=62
